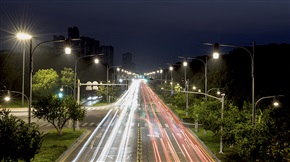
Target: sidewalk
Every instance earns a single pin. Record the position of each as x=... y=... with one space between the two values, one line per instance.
x=18 y=109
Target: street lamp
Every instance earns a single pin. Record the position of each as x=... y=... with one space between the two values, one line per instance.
x=171 y=82
x=216 y=54
x=75 y=77
x=31 y=52
x=161 y=71
x=218 y=90
x=108 y=68
x=186 y=87
x=205 y=73
x=185 y=82
x=222 y=99
x=185 y=65
x=23 y=36
x=222 y=117
x=8 y=97
x=275 y=103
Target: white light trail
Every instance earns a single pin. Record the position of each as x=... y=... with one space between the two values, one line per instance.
x=91 y=137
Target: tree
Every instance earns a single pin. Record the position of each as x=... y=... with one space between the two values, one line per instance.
x=19 y=140
x=75 y=110
x=45 y=82
x=58 y=111
x=67 y=77
x=102 y=92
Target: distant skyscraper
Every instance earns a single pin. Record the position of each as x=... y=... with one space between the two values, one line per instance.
x=108 y=55
x=73 y=32
x=89 y=46
x=86 y=45
x=127 y=62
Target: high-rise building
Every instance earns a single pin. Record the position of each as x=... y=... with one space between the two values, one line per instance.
x=86 y=45
x=127 y=61
x=89 y=46
x=108 y=55
x=73 y=32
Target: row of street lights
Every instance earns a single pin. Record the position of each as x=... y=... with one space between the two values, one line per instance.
x=25 y=36
x=216 y=56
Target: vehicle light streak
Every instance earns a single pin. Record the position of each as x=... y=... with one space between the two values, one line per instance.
x=111 y=138
x=131 y=96
x=91 y=137
x=178 y=144
x=168 y=139
x=175 y=156
x=101 y=141
x=156 y=152
x=187 y=152
x=125 y=138
x=151 y=132
x=165 y=150
x=187 y=144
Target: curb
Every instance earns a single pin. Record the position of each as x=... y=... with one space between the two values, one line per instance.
x=64 y=155
x=196 y=137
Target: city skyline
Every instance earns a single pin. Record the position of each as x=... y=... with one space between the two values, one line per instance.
x=156 y=32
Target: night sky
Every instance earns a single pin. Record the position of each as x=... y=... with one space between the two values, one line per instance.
x=156 y=32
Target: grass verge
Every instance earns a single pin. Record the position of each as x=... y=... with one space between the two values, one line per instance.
x=101 y=104
x=213 y=143
x=54 y=145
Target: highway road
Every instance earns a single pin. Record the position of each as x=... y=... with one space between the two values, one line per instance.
x=138 y=127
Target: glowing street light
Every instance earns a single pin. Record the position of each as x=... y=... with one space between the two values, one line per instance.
x=275 y=103
x=23 y=36
x=7 y=98
x=75 y=76
x=31 y=52
x=218 y=90
x=67 y=50
x=216 y=54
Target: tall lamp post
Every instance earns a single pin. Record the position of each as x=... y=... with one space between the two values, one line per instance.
x=23 y=36
x=222 y=99
x=108 y=68
x=31 y=52
x=186 y=87
x=161 y=71
x=205 y=73
x=75 y=76
x=216 y=54
x=171 y=79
